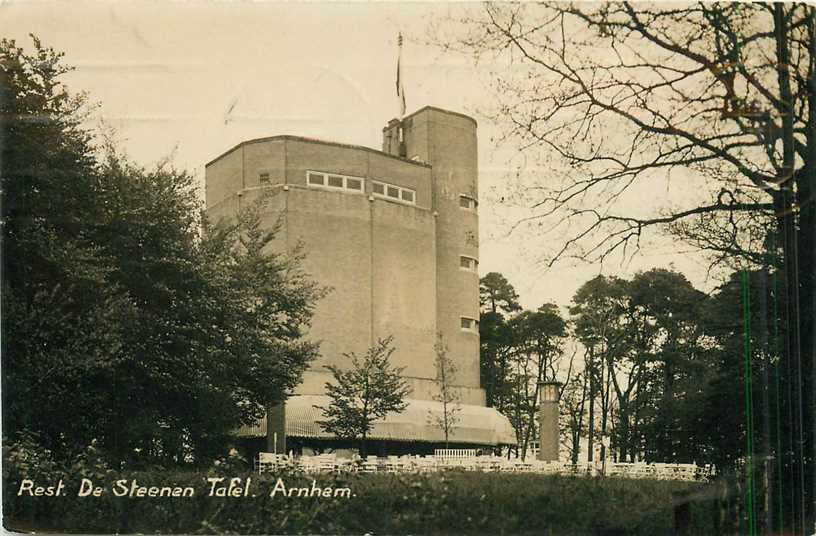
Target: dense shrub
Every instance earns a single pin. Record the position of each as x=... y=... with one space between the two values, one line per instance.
x=444 y=503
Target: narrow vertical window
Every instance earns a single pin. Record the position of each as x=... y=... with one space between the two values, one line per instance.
x=468 y=263
x=467 y=202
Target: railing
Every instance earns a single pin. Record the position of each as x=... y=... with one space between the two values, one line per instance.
x=462 y=460
x=454 y=453
x=266 y=461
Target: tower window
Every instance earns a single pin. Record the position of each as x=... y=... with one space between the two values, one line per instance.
x=316 y=178
x=390 y=191
x=335 y=181
x=263 y=178
x=468 y=263
x=469 y=324
x=467 y=202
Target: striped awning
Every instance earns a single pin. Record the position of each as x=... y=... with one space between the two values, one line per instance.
x=476 y=425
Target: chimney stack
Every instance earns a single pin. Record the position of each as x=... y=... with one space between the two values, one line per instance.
x=392 y=138
x=548 y=397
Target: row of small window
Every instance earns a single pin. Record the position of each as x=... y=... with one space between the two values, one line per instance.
x=469 y=324
x=315 y=178
x=380 y=189
x=394 y=192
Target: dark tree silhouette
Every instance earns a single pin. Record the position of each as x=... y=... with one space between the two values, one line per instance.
x=498 y=298
x=129 y=321
x=497 y=294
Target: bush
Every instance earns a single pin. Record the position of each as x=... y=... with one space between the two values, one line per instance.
x=435 y=504
x=25 y=458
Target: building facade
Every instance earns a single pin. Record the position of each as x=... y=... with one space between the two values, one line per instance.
x=394 y=234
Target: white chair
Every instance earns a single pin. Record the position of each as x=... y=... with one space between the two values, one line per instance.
x=370 y=464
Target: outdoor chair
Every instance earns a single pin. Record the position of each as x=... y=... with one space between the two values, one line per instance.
x=370 y=464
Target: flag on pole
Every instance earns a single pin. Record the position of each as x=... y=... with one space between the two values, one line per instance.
x=400 y=88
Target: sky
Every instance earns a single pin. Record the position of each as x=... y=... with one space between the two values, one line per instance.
x=191 y=80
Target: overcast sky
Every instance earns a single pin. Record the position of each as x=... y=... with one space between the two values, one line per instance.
x=194 y=79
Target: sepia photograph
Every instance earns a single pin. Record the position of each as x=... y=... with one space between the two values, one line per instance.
x=408 y=268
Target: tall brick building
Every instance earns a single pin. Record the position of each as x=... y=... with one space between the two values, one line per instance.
x=394 y=233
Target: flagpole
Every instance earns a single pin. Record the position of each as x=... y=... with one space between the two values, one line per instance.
x=400 y=87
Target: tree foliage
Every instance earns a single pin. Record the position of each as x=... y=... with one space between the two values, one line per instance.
x=598 y=308
x=497 y=294
x=538 y=340
x=518 y=352
x=573 y=425
x=129 y=320
x=642 y=360
x=672 y=374
x=365 y=391
x=498 y=299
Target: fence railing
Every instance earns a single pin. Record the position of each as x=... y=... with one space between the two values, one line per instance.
x=329 y=463
x=454 y=453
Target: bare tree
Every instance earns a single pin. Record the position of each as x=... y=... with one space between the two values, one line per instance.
x=720 y=96
x=447 y=395
x=704 y=89
x=574 y=397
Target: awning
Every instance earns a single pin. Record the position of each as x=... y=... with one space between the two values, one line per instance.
x=476 y=425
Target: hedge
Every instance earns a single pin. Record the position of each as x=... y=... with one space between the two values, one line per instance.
x=433 y=504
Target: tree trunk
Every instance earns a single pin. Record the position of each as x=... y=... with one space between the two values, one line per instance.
x=591 y=421
x=604 y=412
x=635 y=446
x=576 y=432
x=531 y=418
x=797 y=317
x=766 y=520
x=806 y=190
x=445 y=419
x=667 y=453
x=623 y=439
x=576 y=445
